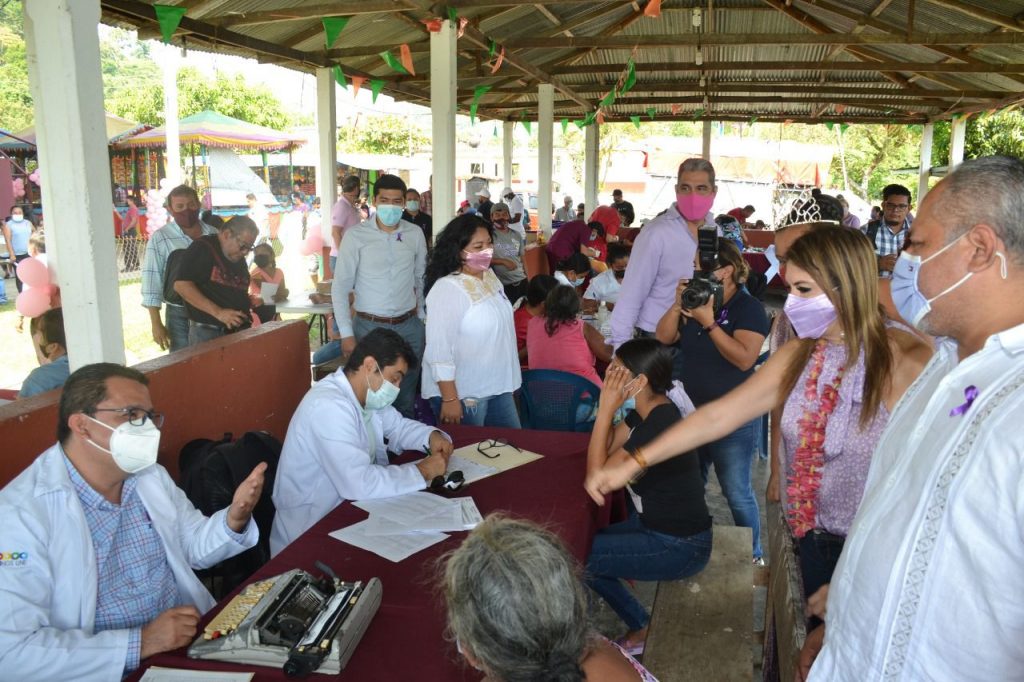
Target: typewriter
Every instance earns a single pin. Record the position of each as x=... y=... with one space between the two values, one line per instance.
x=295 y=621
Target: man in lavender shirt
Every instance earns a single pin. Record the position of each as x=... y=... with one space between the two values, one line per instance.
x=664 y=253
x=344 y=214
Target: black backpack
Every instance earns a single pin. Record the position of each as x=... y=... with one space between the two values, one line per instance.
x=210 y=472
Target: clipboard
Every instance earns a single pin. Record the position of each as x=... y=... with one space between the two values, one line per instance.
x=508 y=457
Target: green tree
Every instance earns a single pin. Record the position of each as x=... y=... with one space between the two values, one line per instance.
x=386 y=134
x=15 y=97
x=986 y=135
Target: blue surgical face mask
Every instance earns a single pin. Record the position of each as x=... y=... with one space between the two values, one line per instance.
x=630 y=402
x=910 y=302
x=388 y=214
x=412 y=206
x=379 y=398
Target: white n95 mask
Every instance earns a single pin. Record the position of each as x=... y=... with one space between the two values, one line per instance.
x=133 y=447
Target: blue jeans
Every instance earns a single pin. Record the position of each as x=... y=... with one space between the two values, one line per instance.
x=732 y=457
x=632 y=551
x=497 y=410
x=819 y=553
x=177 y=326
x=411 y=330
x=201 y=333
x=327 y=352
x=333 y=260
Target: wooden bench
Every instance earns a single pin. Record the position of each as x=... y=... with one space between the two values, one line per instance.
x=784 y=617
x=702 y=627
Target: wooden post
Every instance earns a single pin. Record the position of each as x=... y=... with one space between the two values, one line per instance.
x=443 y=83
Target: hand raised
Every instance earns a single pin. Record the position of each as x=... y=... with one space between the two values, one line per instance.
x=247 y=495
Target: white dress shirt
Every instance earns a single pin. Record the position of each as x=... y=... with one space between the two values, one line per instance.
x=330 y=456
x=384 y=269
x=471 y=338
x=929 y=585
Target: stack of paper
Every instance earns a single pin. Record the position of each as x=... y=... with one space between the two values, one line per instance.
x=400 y=526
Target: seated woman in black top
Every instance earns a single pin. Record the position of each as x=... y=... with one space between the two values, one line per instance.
x=715 y=352
x=668 y=534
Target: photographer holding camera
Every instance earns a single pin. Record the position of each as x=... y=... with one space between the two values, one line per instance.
x=717 y=329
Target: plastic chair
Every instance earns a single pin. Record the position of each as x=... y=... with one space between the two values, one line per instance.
x=558 y=401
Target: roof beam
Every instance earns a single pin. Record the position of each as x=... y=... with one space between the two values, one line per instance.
x=550 y=16
x=742 y=99
x=745 y=39
x=887 y=66
x=763 y=117
x=295 y=13
x=1012 y=23
x=808 y=87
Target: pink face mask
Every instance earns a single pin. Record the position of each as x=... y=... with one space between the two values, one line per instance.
x=479 y=260
x=694 y=206
x=810 y=317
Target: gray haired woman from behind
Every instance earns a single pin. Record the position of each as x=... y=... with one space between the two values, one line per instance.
x=517 y=609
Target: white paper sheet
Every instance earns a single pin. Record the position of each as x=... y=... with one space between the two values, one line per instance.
x=461 y=514
x=268 y=291
x=407 y=509
x=391 y=547
x=471 y=471
x=158 y=674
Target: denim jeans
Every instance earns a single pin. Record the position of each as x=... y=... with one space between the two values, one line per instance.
x=177 y=326
x=632 y=551
x=732 y=457
x=327 y=352
x=818 y=553
x=333 y=260
x=497 y=410
x=200 y=333
x=411 y=330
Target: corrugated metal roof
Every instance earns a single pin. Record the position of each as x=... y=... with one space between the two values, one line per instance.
x=781 y=76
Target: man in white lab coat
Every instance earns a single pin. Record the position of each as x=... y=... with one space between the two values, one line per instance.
x=334 y=450
x=99 y=543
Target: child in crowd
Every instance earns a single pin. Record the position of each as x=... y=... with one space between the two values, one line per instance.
x=264 y=270
x=529 y=307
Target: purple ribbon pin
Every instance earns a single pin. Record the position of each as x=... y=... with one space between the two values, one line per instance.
x=970 y=395
x=398 y=237
x=723 y=316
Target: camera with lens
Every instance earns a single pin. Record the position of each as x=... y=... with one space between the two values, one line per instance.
x=704 y=286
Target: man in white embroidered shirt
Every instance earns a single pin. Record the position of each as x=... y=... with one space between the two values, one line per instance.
x=335 y=450
x=106 y=542
x=929 y=585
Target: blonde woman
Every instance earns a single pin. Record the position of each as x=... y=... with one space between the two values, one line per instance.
x=836 y=384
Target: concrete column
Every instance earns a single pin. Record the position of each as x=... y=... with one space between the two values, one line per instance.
x=72 y=145
x=927 y=135
x=507 y=130
x=327 y=141
x=706 y=141
x=545 y=142
x=956 y=142
x=443 y=82
x=171 y=62
x=591 y=165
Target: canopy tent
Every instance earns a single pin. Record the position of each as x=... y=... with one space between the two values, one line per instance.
x=25 y=141
x=231 y=180
x=217 y=130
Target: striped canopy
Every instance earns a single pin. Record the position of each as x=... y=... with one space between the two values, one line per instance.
x=217 y=130
x=25 y=140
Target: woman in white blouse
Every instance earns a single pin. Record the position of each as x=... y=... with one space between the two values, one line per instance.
x=471 y=364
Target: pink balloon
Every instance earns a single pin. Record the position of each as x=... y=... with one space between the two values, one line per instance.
x=33 y=302
x=312 y=244
x=34 y=177
x=18 y=186
x=33 y=272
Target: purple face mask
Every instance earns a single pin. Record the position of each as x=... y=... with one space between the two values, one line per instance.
x=810 y=317
x=479 y=260
x=694 y=206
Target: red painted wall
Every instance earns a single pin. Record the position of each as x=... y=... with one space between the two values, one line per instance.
x=248 y=381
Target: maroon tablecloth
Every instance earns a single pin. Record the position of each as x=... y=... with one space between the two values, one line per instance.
x=405 y=640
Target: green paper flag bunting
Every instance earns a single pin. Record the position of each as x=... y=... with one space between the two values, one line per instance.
x=565 y=125
x=579 y=124
x=843 y=127
x=651 y=111
x=479 y=92
x=453 y=16
x=630 y=79
x=528 y=126
x=168 y=17
x=393 y=62
x=697 y=114
x=494 y=131
x=608 y=99
x=493 y=47
x=636 y=121
x=472 y=113
x=333 y=26
x=339 y=76
x=829 y=125
x=753 y=120
x=589 y=118
x=375 y=87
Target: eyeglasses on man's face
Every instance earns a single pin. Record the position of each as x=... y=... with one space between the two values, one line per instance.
x=136 y=415
x=896 y=208
x=492 y=448
x=244 y=247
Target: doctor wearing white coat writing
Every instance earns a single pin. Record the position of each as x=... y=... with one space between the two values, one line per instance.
x=98 y=543
x=334 y=450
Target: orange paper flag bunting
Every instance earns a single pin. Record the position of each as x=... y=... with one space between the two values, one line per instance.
x=498 y=61
x=357 y=82
x=433 y=25
x=840 y=108
x=405 y=54
x=462 y=25
x=653 y=9
x=676 y=108
x=600 y=118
